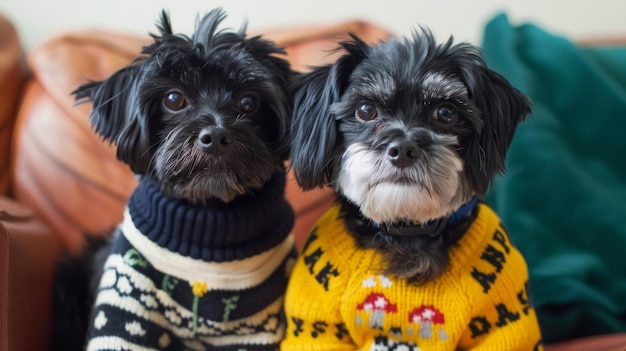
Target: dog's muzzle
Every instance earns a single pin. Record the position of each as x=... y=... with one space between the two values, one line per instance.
x=215 y=139
x=402 y=153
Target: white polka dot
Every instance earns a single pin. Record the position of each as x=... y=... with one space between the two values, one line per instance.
x=108 y=279
x=123 y=285
x=149 y=301
x=135 y=328
x=173 y=317
x=385 y=281
x=369 y=282
x=101 y=320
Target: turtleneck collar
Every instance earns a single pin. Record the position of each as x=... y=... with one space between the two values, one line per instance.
x=246 y=226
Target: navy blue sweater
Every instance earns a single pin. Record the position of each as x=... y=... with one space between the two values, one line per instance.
x=183 y=276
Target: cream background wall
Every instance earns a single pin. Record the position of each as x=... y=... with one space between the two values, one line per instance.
x=37 y=20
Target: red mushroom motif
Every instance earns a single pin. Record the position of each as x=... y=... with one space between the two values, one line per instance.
x=428 y=317
x=377 y=304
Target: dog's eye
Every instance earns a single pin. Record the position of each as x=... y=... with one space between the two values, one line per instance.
x=365 y=111
x=248 y=103
x=445 y=114
x=174 y=100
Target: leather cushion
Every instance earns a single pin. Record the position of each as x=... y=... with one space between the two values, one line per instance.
x=70 y=177
x=28 y=251
x=12 y=78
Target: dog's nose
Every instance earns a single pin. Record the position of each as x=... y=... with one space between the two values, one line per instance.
x=215 y=139
x=402 y=153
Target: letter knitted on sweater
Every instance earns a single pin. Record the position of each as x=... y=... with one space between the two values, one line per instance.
x=187 y=277
x=338 y=299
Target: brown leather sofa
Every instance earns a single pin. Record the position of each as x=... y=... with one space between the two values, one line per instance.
x=59 y=181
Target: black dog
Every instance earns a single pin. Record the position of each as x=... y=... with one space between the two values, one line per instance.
x=202 y=256
x=410 y=133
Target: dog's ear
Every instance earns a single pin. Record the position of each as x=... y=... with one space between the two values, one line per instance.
x=314 y=130
x=266 y=53
x=116 y=116
x=502 y=107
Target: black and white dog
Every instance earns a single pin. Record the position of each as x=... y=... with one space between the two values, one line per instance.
x=410 y=133
x=202 y=256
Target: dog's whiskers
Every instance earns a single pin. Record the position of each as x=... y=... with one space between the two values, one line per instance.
x=149 y=149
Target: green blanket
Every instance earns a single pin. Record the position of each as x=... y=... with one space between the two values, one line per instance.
x=563 y=198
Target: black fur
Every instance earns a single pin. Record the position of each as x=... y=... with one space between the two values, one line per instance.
x=229 y=136
x=317 y=142
x=211 y=70
x=76 y=277
x=406 y=80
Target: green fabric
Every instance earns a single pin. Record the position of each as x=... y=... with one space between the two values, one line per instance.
x=563 y=198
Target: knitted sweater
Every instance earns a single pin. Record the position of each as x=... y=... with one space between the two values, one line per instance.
x=337 y=299
x=187 y=277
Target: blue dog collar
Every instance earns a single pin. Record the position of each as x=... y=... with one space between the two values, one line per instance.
x=430 y=228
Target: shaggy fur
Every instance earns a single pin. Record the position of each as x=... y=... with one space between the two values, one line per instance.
x=205 y=117
x=406 y=131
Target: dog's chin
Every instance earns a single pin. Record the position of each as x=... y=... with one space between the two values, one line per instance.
x=386 y=194
x=199 y=177
x=213 y=182
x=390 y=202
x=221 y=186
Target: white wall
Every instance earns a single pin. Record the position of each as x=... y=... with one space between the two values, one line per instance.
x=37 y=20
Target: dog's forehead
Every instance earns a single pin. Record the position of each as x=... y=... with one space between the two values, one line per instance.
x=386 y=82
x=413 y=67
x=439 y=86
x=235 y=65
x=374 y=82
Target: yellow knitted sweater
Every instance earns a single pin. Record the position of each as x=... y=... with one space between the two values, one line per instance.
x=337 y=298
